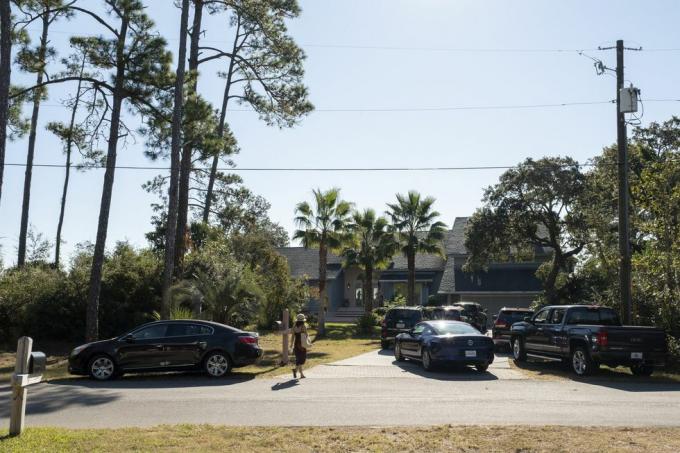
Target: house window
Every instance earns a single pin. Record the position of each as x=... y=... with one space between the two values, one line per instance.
x=401 y=289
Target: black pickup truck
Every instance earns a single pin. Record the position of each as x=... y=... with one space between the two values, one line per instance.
x=585 y=336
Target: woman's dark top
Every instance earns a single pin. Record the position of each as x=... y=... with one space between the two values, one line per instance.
x=300 y=351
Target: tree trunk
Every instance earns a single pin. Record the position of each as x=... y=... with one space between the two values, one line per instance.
x=368 y=289
x=323 y=297
x=92 y=318
x=411 y=261
x=174 y=164
x=69 y=149
x=187 y=150
x=5 y=75
x=220 y=130
x=28 y=176
x=550 y=281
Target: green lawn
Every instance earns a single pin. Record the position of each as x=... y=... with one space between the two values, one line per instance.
x=352 y=439
x=341 y=342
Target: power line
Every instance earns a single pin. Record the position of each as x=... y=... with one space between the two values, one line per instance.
x=302 y=169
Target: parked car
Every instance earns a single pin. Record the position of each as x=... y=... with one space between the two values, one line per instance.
x=167 y=346
x=585 y=336
x=506 y=317
x=398 y=320
x=450 y=313
x=474 y=314
x=440 y=342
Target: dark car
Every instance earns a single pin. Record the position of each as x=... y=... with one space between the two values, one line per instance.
x=168 y=346
x=449 y=313
x=585 y=336
x=474 y=314
x=398 y=320
x=445 y=342
x=506 y=317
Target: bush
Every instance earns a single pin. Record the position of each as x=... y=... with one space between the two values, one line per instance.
x=673 y=352
x=366 y=323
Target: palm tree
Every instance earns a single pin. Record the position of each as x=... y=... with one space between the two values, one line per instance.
x=414 y=222
x=371 y=248
x=323 y=226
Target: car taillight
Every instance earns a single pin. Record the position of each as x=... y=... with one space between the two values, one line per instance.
x=501 y=324
x=247 y=340
x=602 y=339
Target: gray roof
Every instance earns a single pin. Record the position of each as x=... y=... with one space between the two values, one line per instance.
x=424 y=262
x=304 y=262
x=455 y=242
x=448 y=282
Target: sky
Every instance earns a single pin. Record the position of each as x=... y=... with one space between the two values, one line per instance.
x=430 y=54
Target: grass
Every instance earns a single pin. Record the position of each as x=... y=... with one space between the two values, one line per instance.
x=265 y=439
x=555 y=371
x=341 y=342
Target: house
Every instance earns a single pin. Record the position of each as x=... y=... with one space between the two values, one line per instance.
x=438 y=279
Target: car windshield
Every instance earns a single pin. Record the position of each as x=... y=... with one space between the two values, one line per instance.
x=404 y=315
x=514 y=316
x=453 y=328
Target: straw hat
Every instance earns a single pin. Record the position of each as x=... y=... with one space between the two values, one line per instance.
x=300 y=317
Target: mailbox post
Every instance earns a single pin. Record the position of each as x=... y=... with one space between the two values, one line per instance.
x=28 y=370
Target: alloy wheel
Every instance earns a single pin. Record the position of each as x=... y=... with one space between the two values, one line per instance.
x=102 y=368
x=579 y=362
x=217 y=365
x=516 y=349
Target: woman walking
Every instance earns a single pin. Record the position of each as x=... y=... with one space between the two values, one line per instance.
x=300 y=341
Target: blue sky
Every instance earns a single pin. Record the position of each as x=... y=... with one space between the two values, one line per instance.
x=353 y=78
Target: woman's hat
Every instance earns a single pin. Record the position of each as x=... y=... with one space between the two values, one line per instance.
x=300 y=317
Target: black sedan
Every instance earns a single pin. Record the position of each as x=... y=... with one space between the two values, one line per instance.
x=445 y=342
x=167 y=346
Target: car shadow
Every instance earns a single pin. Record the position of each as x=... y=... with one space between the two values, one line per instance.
x=603 y=377
x=156 y=381
x=445 y=372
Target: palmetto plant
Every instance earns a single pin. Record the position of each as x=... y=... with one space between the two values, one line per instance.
x=323 y=224
x=418 y=231
x=371 y=247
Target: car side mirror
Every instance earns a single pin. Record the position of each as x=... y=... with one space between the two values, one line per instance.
x=129 y=338
x=527 y=319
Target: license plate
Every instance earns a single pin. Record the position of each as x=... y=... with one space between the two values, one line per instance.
x=400 y=325
x=470 y=353
x=635 y=355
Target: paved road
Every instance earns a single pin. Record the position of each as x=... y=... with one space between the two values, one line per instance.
x=366 y=390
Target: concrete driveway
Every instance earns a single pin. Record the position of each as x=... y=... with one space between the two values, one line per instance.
x=369 y=389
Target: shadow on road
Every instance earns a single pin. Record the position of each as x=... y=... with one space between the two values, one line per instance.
x=445 y=372
x=49 y=399
x=155 y=381
x=285 y=385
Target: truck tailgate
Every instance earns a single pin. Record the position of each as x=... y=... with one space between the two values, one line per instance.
x=642 y=339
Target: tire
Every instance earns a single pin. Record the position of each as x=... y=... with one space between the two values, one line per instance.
x=426 y=360
x=384 y=344
x=482 y=367
x=397 y=352
x=217 y=364
x=642 y=370
x=519 y=352
x=581 y=363
x=101 y=367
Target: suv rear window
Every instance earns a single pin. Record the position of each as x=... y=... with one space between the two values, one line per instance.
x=593 y=316
x=404 y=315
x=514 y=316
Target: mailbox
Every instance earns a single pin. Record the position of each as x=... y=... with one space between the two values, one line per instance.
x=37 y=363
x=278 y=325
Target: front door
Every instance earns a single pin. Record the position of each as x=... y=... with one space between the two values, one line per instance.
x=536 y=339
x=144 y=349
x=410 y=345
x=552 y=331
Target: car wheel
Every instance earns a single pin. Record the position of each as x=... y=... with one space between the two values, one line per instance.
x=102 y=368
x=642 y=370
x=519 y=353
x=581 y=363
x=397 y=352
x=482 y=367
x=426 y=360
x=384 y=344
x=217 y=364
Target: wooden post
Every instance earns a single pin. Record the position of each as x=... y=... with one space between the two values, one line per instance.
x=18 y=409
x=284 y=346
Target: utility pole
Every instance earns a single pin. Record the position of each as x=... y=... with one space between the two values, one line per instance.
x=625 y=285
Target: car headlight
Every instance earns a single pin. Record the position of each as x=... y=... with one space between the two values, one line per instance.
x=78 y=350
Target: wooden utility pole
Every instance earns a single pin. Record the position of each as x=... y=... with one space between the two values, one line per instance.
x=625 y=286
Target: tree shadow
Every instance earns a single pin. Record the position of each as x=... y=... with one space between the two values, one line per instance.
x=47 y=398
x=156 y=381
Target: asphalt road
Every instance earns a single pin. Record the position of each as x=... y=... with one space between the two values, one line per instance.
x=366 y=390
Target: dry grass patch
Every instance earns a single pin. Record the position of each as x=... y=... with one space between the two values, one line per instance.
x=429 y=439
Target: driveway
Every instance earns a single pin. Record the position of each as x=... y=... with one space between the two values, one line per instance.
x=365 y=390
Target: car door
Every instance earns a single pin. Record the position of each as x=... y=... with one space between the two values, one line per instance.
x=410 y=344
x=535 y=337
x=552 y=331
x=143 y=348
x=185 y=343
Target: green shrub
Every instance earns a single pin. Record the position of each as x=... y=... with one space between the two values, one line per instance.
x=673 y=352
x=366 y=323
